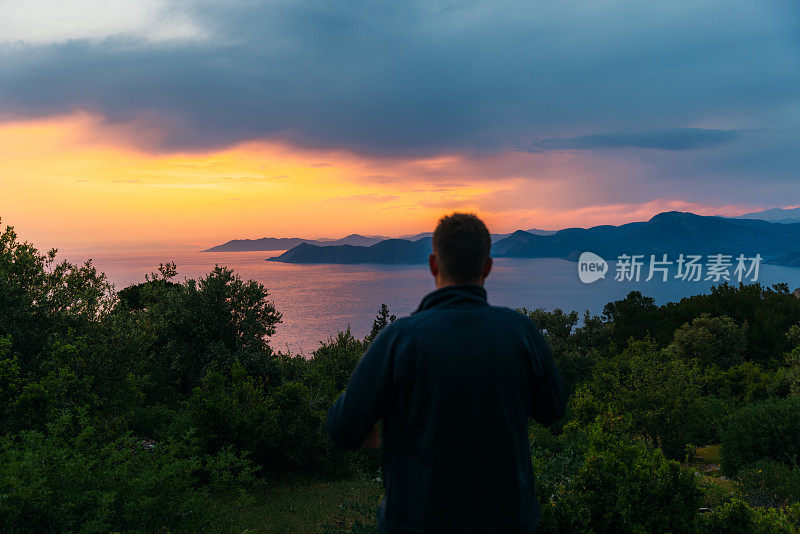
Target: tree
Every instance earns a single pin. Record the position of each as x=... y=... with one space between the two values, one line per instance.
x=660 y=395
x=382 y=320
x=203 y=325
x=635 y=317
x=712 y=341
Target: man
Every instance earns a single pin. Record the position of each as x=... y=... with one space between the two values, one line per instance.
x=455 y=384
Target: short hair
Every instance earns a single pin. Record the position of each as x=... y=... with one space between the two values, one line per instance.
x=461 y=243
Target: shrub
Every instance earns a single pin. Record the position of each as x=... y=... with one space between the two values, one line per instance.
x=50 y=484
x=661 y=395
x=281 y=426
x=334 y=362
x=768 y=483
x=556 y=459
x=624 y=485
x=745 y=382
x=767 y=429
x=711 y=340
x=786 y=381
x=231 y=411
x=736 y=517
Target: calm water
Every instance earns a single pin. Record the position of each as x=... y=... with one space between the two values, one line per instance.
x=319 y=300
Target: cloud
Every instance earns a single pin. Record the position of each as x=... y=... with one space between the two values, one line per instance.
x=43 y=21
x=412 y=78
x=697 y=97
x=674 y=139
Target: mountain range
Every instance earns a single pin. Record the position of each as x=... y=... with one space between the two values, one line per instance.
x=285 y=243
x=778 y=215
x=358 y=240
x=391 y=251
x=669 y=233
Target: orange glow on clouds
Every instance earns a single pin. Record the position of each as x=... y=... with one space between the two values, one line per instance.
x=71 y=181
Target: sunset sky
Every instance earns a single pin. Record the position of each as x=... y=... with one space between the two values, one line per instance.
x=195 y=122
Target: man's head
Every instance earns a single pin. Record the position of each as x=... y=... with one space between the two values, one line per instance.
x=461 y=246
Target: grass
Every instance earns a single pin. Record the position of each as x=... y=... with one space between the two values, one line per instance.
x=710 y=454
x=296 y=506
x=309 y=505
x=717 y=489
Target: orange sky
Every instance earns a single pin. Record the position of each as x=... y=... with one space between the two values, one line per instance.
x=74 y=181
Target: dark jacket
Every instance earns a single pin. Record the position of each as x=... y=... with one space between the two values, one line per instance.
x=455 y=384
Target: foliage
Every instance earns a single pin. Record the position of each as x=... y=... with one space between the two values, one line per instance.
x=742 y=383
x=636 y=316
x=575 y=349
x=737 y=517
x=786 y=381
x=711 y=341
x=335 y=361
x=200 y=326
x=52 y=484
x=556 y=460
x=43 y=302
x=767 y=312
x=767 y=429
x=382 y=320
x=353 y=517
x=768 y=483
x=661 y=396
x=145 y=409
x=624 y=485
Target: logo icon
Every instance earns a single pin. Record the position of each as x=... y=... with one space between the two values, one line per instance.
x=591 y=267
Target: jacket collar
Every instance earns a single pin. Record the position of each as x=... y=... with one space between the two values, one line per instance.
x=455 y=295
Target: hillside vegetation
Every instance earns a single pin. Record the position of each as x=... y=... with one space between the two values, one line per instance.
x=162 y=406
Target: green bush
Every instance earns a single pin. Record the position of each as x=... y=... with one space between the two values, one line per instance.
x=767 y=429
x=280 y=426
x=575 y=350
x=767 y=483
x=334 y=362
x=745 y=382
x=659 y=393
x=556 y=459
x=736 y=517
x=786 y=381
x=711 y=340
x=767 y=312
x=49 y=484
x=623 y=485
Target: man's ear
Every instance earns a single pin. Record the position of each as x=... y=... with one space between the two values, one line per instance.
x=433 y=264
x=487 y=268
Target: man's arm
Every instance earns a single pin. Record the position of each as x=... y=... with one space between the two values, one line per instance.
x=352 y=418
x=548 y=398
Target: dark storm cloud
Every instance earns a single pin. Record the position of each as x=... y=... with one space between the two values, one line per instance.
x=420 y=77
x=674 y=139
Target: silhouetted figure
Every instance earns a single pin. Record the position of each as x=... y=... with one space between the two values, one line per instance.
x=455 y=385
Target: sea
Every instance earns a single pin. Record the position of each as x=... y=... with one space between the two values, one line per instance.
x=318 y=301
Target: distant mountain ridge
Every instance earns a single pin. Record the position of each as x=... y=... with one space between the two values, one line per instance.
x=669 y=233
x=666 y=233
x=285 y=243
x=495 y=237
x=388 y=251
x=358 y=240
x=778 y=215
